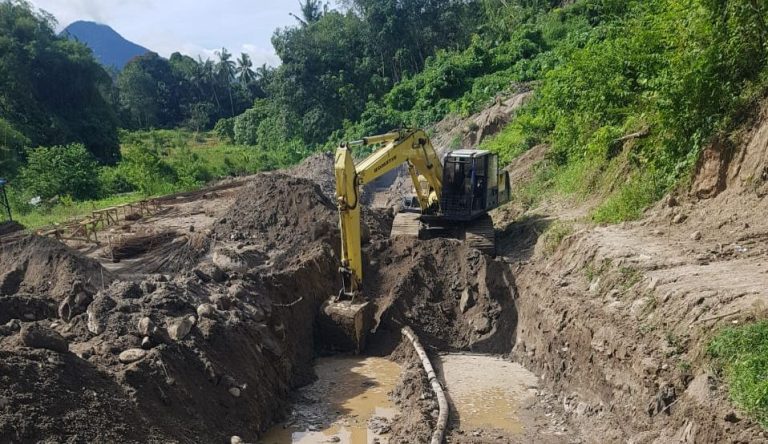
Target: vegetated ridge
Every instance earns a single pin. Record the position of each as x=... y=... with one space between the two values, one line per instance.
x=109 y=47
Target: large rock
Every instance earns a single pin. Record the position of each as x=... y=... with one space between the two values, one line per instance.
x=206 y=311
x=98 y=311
x=132 y=355
x=180 y=328
x=37 y=336
x=146 y=327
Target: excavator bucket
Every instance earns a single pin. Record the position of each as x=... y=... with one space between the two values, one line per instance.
x=344 y=325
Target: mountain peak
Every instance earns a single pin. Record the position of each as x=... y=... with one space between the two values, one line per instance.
x=109 y=47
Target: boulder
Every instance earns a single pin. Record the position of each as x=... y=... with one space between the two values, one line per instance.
x=37 y=336
x=132 y=355
x=180 y=328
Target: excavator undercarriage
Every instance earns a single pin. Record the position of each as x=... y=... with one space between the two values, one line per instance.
x=478 y=233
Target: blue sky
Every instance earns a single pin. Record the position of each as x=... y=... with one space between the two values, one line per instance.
x=193 y=27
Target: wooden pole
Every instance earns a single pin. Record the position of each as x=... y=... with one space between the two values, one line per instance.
x=442 y=402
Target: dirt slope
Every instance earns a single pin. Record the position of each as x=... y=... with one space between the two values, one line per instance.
x=617 y=319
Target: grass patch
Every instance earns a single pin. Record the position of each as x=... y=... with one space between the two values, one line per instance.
x=591 y=271
x=629 y=277
x=72 y=210
x=629 y=202
x=741 y=356
x=154 y=163
x=554 y=236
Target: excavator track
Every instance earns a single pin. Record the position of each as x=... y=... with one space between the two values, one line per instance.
x=406 y=225
x=481 y=235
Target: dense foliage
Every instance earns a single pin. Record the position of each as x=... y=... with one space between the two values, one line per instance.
x=626 y=93
x=58 y=171
x=52 y=91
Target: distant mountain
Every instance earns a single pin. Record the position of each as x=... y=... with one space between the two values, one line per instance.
x=109 y=47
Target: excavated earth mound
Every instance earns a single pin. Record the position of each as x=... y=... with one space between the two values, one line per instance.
x=200 y=356
x=40 y=277
x=319 y=169
x=278 y=211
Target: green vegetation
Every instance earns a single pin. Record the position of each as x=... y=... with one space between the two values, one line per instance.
x=52 y=91
x=626 y=93
x=675 y=74
x=741 y=355
x=69 y=183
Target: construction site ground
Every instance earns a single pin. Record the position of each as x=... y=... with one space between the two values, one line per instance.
x=199 y=323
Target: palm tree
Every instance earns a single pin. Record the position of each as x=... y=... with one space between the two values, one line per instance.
x=311 y=12
x=208 y=74
x=245 y=69
x=226 y=70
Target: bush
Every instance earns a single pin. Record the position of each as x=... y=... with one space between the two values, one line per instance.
x=61 y=171
x=146 y=170
x=246 y=127
x=225 y=129
x=112 y=181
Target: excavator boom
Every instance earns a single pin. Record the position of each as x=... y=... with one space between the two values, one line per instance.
x=412 y=147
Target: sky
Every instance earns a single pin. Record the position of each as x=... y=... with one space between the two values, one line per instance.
x=192 y=27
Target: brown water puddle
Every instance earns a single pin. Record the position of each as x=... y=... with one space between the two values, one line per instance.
x=486 y=392
x=339 y=406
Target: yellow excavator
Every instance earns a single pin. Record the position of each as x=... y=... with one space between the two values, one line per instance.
x=452 y=198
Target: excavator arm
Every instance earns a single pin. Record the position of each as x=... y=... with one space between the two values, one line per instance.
x=409 y=146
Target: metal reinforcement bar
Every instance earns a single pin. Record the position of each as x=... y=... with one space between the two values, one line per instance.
x=442 y=402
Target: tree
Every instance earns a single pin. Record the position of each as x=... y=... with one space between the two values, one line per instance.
x=245 y=72
x=151 y=93
x=226 y=70
x=208 y=71
x=61 y=171
x=311 y=12
x=52 y=90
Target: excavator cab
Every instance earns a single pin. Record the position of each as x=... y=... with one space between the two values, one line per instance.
x=472 y=185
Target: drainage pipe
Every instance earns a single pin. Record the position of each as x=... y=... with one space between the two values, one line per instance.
x=442 y=402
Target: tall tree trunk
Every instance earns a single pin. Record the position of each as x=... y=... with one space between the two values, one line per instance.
x=231 y=103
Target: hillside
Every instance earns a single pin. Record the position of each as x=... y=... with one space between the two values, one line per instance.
x=110 y=48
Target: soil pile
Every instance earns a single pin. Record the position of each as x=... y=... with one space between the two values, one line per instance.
x=318 y=168
x=278 y=211
x=38 y=271
x=453 y=297
x=210 y=352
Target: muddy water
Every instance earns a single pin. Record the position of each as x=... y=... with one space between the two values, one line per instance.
x=348 y=404
x=486 y=392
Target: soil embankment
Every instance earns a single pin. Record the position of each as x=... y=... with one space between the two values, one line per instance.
x=617 y=319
